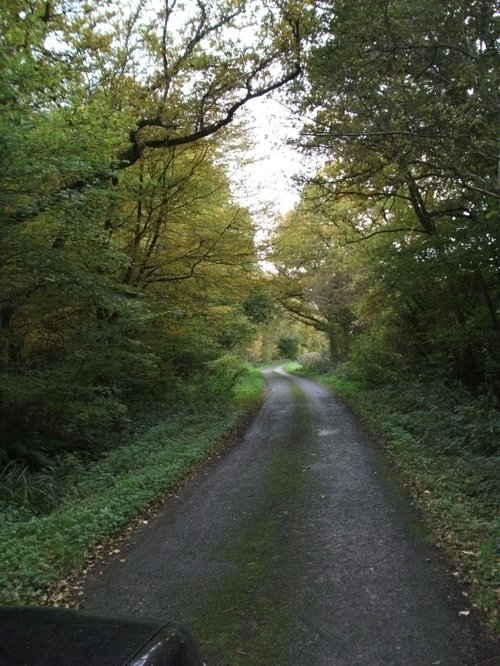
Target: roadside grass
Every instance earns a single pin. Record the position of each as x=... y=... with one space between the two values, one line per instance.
x=443 y=443
x=91 y=503
x=291 y=366
x=248 y=391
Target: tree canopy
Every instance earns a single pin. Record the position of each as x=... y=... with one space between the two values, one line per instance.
x=402 y=219
x=125 y=262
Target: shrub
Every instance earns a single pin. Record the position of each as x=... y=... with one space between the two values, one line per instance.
x=288 y=347
x=89 y=502
x=371 y=361
x=316 y=363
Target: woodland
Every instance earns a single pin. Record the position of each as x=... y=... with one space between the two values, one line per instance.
x=134 y=295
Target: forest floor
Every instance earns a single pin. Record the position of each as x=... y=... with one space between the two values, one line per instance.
x=297 y=547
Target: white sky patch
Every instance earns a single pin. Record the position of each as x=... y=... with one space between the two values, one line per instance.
x=262 y=178
x=262 y=175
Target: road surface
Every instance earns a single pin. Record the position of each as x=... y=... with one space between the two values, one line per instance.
x=296 y=548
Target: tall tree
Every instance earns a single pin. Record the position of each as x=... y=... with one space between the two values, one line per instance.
x=116 y=213
x=148 y=79
x=316 y=282
x=408 y=100
x=403 y=107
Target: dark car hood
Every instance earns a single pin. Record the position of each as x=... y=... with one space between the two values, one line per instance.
x=31 y=636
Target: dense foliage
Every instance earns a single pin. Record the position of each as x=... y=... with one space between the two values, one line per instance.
x=126 y=267
x=393 y=249
x=52 y=520
x=128 y=272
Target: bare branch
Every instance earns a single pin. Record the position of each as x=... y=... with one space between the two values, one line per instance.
x=201 y=32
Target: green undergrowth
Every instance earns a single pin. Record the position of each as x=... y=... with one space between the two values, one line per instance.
x=95 y=501
x=443 y=442
x=249 y=391
x=292 y=366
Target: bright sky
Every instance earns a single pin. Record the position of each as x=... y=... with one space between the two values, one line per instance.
x=266 y=184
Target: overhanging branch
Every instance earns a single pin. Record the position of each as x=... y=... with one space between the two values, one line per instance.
x=132 y=154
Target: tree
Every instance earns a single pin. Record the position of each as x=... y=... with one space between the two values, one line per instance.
x=288 y=347
x=403 y=110
x=408 y=101
x=120 y=238
x=314 y=282
x=152 y=80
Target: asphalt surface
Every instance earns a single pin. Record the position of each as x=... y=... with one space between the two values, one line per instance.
x=296 y=548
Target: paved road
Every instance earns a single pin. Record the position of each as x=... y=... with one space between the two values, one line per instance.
x=296 y=548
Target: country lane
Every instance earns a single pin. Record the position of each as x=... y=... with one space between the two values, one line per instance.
x=297 y=547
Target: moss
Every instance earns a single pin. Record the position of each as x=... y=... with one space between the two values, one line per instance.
x=246 y=618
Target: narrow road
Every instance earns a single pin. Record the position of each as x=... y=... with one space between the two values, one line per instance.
x=296 y=548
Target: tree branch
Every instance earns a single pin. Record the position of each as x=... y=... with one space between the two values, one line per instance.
x=132 y=154
x=311 y=320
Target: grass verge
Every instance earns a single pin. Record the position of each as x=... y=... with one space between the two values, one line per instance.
x=442 y=444
x=105 y=496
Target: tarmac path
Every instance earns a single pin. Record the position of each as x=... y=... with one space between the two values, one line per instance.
x=296 y=548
